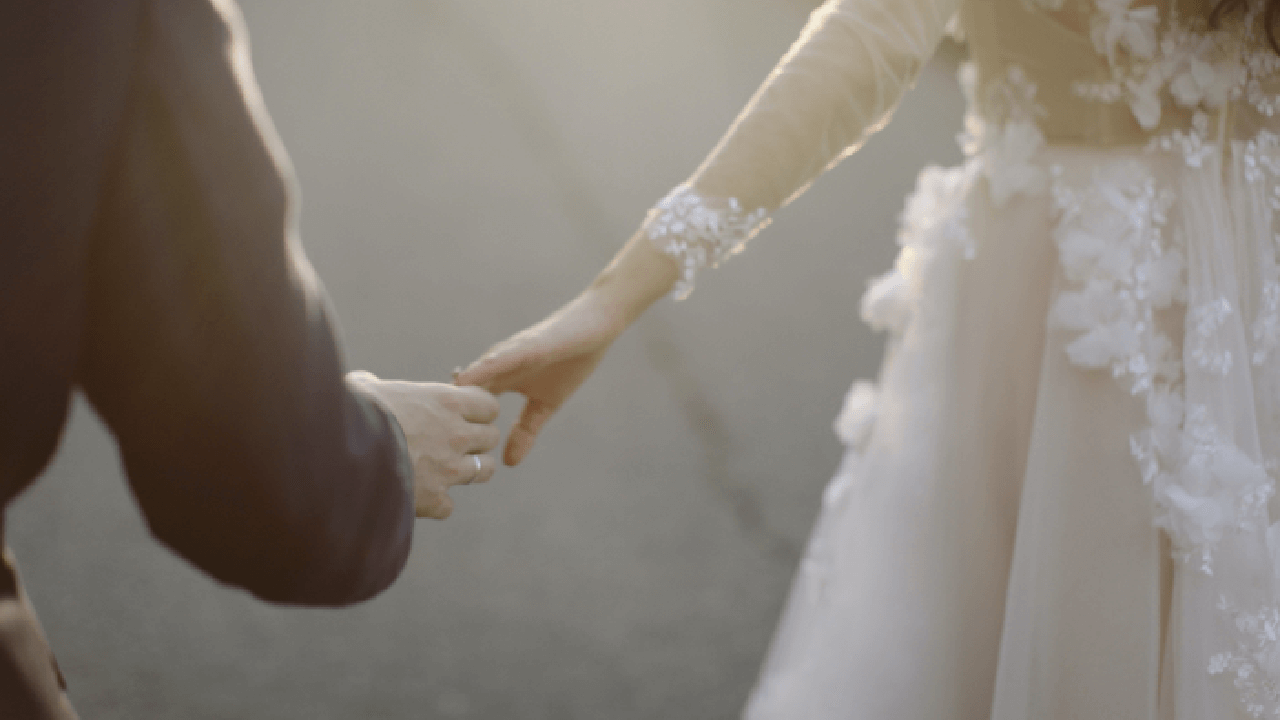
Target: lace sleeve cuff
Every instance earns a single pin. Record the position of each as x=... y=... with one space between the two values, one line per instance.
x=698 y=232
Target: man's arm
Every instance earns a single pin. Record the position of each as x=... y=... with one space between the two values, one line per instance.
x=209 y=347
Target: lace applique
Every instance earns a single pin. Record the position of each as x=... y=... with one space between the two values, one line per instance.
x=934 y=221
x=1123 y=270
x=1250 y=666
x=936 y=218
x=858 y=416
x=1198 y=68
x=1266 y=327
x=1206 y=488
x=1045 y=5
x=1261 y=64
x=1006 y=145
x=1261 y=157
x=1117 y=26
x=1204 y=321
x=700 y=232
x=1192 y=143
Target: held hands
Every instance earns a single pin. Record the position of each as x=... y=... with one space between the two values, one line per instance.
x=449 y=429
x=546 y=363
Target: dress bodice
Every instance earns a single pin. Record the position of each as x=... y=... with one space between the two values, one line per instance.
x=1123 y=72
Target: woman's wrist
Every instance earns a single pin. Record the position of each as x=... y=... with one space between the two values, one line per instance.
x=639 y=275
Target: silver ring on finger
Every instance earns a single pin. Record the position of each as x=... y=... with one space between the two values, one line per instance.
x=479 y=468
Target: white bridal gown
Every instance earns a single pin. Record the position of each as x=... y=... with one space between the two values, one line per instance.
x=1058 y=498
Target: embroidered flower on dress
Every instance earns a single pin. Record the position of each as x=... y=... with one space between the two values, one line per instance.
x=1200 y=82
x=1255 y=659
x=1046 y=5
x=1203 y=323
x=1127 y=281
x=1008 y=141
x=1123 y=269
x=1198 y=67
x=858 y=416
x=1110 y=241
x=1118 y=25
x=886 y=305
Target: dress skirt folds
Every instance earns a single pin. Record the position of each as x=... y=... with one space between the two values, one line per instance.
x=987 y=548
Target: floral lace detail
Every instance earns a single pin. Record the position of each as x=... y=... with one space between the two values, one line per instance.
x=1253 y=662
x=1006 y=143
x=933 y=223
x=858 y=416
x=1113 y=250
x=1204 y=321
x=1124 y=272
x=1124 y=269
x=1212 y=488
x=1261 y=65
x=1261 y=156
x=1043 y=5
x=935 y=219
x=1199 y=68
x=1192 y=143
x=699 y=232
x=1118 y=26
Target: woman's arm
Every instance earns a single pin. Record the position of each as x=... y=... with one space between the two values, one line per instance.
x=837 y=84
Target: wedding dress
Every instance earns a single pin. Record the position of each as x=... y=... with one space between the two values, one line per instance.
x=1058 y=498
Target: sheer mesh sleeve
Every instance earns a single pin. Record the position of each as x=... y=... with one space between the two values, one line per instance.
x=836 y=85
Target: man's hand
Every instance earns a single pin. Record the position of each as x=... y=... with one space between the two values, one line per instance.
x=449 y=430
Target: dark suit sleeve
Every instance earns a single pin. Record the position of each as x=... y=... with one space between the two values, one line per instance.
x=210 y=350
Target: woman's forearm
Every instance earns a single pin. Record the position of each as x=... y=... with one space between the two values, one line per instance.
x=638 y=275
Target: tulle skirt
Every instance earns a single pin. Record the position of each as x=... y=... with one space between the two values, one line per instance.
x=989 y=547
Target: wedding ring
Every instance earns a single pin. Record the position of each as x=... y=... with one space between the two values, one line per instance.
x=479 y=467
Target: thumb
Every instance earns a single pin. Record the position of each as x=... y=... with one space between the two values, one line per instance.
x=436 y=505
x=525 y=432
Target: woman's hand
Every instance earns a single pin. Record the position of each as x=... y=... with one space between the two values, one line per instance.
x=546 y=363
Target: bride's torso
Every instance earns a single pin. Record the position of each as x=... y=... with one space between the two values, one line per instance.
x=1106 y=73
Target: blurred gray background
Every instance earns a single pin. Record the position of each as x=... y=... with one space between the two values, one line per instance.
x=466 y=167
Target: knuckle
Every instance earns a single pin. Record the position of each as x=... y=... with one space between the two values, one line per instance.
x=457 y=442
x=492 y=437
x=451 y=471
x=439 y=474
x=464 y=469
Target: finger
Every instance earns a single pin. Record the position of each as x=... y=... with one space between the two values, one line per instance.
x=525 y=432
x=434 y=505
x=479 y=439
x=486 y=466
x=462 y=471
x=476 y=404
x=495 y=371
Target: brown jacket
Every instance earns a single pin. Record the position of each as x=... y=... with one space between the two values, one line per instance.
x=148 y=259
